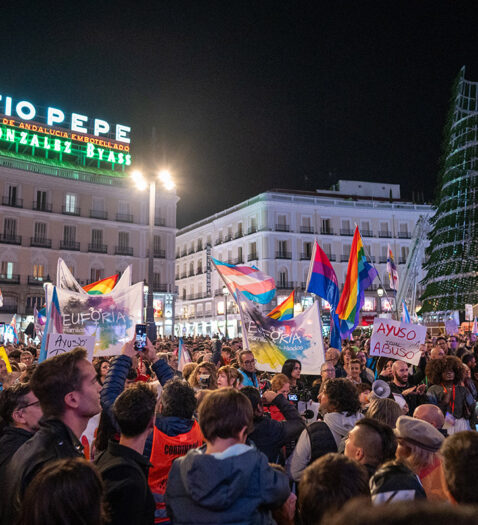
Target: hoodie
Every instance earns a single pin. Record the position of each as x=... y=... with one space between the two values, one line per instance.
x=237 y=486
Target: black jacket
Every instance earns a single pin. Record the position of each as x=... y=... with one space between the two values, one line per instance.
x=270 y=435
x=53 y=441
x=125 y=473
x=12 y=439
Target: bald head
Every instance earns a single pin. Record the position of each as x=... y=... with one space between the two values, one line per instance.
x=437 y=353
x=431 y=414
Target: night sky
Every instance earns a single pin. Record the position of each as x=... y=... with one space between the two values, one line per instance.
x=247 y=96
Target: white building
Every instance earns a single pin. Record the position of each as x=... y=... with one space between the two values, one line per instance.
x=275 y=231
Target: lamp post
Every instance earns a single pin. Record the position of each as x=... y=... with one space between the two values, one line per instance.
x=225 y=293
x=380 y=292
x=142 y=183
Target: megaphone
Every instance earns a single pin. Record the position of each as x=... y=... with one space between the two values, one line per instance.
x=380 y=389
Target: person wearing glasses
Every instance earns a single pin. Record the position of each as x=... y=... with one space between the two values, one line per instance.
x=247 y=368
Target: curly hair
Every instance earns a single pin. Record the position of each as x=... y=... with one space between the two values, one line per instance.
x=343 y=395
x=436 y=367
x=193 y=378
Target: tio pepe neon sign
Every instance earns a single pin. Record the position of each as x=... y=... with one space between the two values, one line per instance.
x=78 y=123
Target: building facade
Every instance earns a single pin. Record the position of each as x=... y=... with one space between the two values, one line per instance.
x=71 y=197
x=275 y=231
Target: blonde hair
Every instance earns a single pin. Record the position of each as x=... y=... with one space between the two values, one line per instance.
x=278 y=381
x=418 y=458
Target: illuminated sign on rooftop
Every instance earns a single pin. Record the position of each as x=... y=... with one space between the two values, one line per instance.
x=74 y=139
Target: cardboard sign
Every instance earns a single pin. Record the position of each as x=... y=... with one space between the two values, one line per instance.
x=60 y=343
x=397 y=340
x=468 y=312
x=451 y=327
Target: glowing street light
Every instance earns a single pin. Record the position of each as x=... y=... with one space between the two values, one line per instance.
x=141 y=182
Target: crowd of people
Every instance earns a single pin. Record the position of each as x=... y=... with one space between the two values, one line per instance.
x=132 y=439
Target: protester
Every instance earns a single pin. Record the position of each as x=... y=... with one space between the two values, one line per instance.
x=332 y=355
x=122 y=466
x=102 y=366
x=292 y=369
x=20 y=412
x=229 y=376
x=354 y=370
x=460 y=465
x=267 y=434
x=247 y=363
x=339 y=400
x=418 y=445
x=203 y=377
x=385 y=410
x=226 y=481
x=68 y=392
x=446 y=376
x=371 y=444
x=431 y=414
x=65 y=492
x=407 y=386
x=327 y=484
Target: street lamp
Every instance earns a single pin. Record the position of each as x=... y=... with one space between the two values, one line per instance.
x=225 y=293
x=141 y=182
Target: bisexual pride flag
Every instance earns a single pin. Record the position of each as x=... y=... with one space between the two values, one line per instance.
x=254 y=285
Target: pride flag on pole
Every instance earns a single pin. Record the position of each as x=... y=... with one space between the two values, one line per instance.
x=183 y=355
x=392 y=270
x=283 y=311
x=101 y=287
x=360 y=275
x=254 y=284
x=322 y=281
x=474 y=329
x=405 y=313
x=13 y=324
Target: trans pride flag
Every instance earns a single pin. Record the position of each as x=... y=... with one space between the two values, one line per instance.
x=283 y=311
x=254 y=284
x=360 y=275
x=183 y=355
x=322 y=281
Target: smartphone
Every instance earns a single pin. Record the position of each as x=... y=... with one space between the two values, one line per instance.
x=140 y=338
x=293 y=397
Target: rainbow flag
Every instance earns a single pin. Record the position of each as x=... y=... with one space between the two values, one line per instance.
x=101 y=287
x=283 y=311
x=254 y=284
x=392 y=270
x=360 y=275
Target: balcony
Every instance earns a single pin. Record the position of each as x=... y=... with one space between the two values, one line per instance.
x=238 y=234
x=404 y=235
x=199 y=248
x=124 y=250
x=196 y=296
x=306 y=229
x=199 y=271
x=331 y=257
x=382 y=259
x=41 y=206
x=98 y=214
x=159 y=254
x=385 y=235
x=9 y=309
x=178 y=255
x=252 y=257
x=285 y=285
x=184 y=253
x=367 y=233
x=12 y=278
x=7 y=238
x=282 y=228
x=283 y=255
x=71 y=210
x=218 y=241
x=228 y=237
x=184 y=275
x=124 y=217
x=191 y=273
x=344 y=258
x=161 y=288
x=159 y=221
x=402 y=260
x=39 y=242
x=14 y=203
x=70 y=245
x=326 y=231
x=346 y=232
x=251 y=230
x=36 y=281
x=238 y=260
x=97 y=248
x=305 y=256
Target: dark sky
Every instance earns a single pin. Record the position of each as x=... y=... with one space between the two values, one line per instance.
x=251 y=95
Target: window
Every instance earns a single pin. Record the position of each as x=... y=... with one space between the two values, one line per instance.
x=191 y=269
x=12 y=195
x=34 y=301
x=199 y=271
x=96 y=274
x=41 y=202
x=7 y=269
x=123 y=239
x=199 y=248
x=308 y=249
x=282 y=247
x=239 y=255
x=123 y=207
x=40 y=231
x=156 y=243
x=253 y=226
x=325 y=226
x=71 y=202
x=156 y=280
x=69 y=234
x=97 y=237
x=10 y=227
x=98 y=204
x=39 y=271
x=283 y=278
x=239 y=229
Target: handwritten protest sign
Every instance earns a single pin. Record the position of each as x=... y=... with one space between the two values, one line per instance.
x=60 y=343
x=397 y=340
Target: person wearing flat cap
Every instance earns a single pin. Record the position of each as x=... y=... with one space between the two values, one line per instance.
x=418 y=446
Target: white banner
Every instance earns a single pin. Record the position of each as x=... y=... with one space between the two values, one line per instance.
x=61 y=343
x=397 y=340
x=468 y=312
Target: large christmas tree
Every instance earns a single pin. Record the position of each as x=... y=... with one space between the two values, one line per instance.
x=452 y=266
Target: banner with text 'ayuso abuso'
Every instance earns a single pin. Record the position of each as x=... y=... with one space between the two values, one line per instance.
x=272 y=341
x=397 y=340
